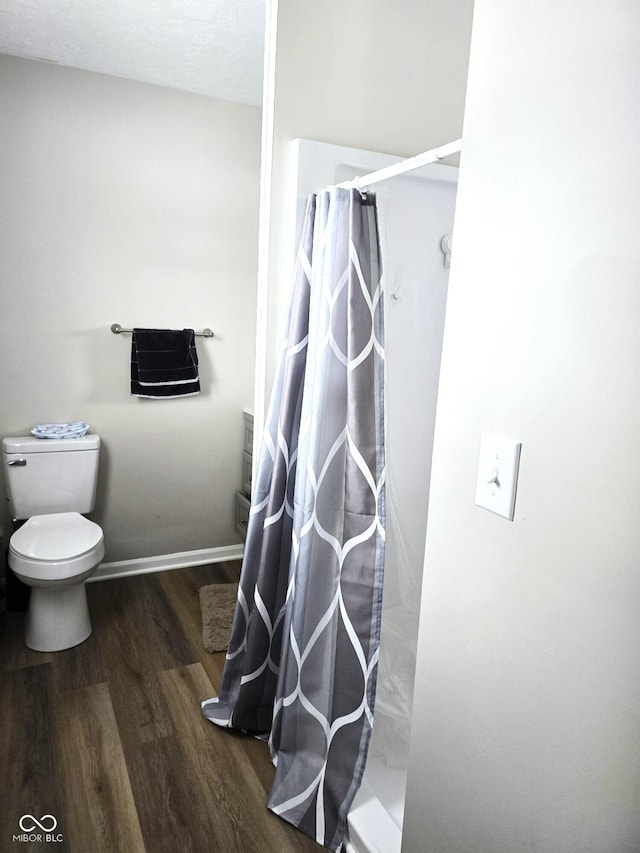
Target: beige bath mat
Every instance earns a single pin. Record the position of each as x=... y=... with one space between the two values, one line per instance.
x=217 y=606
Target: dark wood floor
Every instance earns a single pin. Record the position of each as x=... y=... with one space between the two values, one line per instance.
x=108 y=737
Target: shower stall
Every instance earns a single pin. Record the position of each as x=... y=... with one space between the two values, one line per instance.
x=415 y=222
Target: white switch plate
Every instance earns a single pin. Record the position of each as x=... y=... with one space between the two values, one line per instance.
x=498 y=474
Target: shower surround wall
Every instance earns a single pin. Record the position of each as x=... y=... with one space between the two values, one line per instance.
x=415 y=213
x=129 y=203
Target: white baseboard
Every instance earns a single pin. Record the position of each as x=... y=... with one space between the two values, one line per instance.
x=164 y=562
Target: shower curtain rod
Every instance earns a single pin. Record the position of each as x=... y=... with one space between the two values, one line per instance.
x=431 y=156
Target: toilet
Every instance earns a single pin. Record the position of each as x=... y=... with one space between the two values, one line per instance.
x=50 y=483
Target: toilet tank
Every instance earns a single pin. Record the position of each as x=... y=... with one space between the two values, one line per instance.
x=50 y=475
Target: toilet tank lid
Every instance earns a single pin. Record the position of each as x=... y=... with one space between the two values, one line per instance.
x=30 y=444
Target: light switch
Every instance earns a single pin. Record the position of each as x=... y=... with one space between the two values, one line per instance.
x=498 y=474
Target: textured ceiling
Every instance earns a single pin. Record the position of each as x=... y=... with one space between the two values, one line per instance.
x=210 y=47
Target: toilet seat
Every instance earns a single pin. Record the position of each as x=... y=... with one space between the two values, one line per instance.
x=57 y=546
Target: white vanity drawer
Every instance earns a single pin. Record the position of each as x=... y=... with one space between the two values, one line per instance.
x=248 y=430
x=247 y=461
x=243 y=502
x=242 y=514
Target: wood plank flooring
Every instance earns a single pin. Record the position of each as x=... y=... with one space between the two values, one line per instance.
x=108 y=736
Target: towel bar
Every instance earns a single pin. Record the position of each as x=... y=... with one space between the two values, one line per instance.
x=116 y=328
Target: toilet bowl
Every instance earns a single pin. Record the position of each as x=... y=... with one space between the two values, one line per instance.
x=54 y=554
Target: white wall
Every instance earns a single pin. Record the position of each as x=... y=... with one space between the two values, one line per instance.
x=526 y=727
x=123 y=202
x=387 y=77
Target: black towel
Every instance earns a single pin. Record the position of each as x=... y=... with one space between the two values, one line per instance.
x=164 y=363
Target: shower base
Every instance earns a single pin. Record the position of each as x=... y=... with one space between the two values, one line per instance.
x=374 y=824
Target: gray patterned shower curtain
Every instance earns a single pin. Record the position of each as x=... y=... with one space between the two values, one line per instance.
x=302 y=660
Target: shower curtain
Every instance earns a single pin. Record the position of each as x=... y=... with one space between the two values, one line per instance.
x=302 y=660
